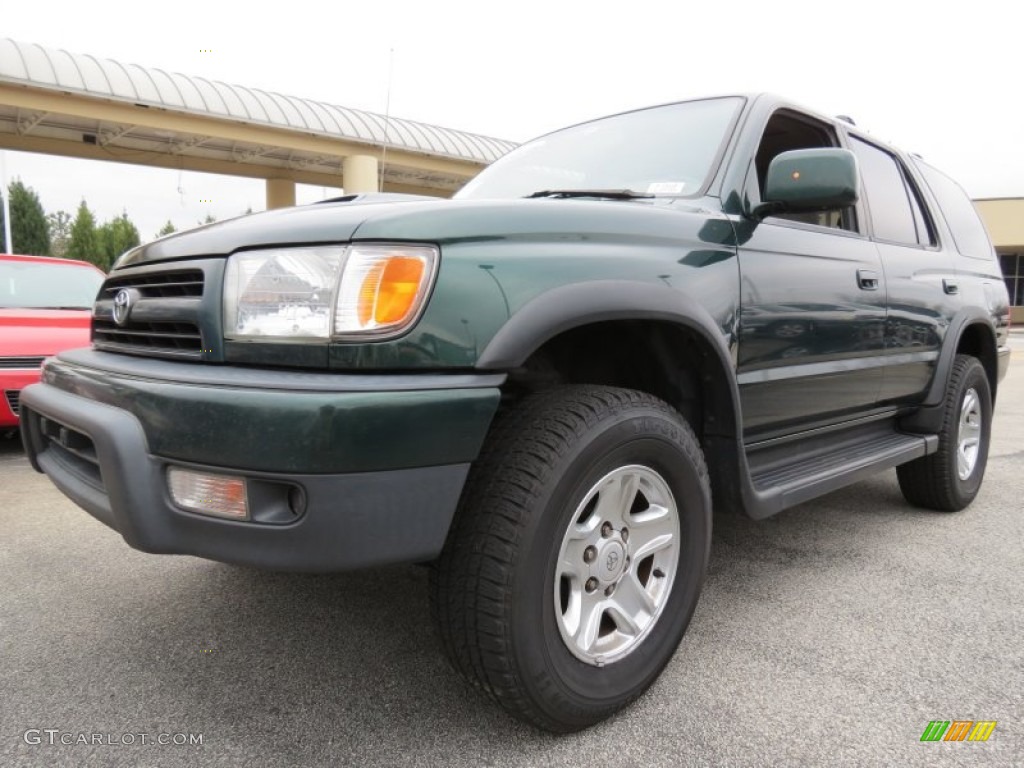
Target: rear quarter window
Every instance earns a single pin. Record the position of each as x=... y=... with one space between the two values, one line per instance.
x=968 y=230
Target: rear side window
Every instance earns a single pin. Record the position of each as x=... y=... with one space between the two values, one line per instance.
x=896 y=211
x=968 y=230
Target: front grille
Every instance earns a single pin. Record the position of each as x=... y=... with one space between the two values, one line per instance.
x=158 y=337
x=13 y=396
x=21 y=362
x=185 y=282
x=163 y=319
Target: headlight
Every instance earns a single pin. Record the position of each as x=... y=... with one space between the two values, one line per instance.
x=319 y=292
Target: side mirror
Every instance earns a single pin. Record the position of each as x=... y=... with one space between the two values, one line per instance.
x=810 y=180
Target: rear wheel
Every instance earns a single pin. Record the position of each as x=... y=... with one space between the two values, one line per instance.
x=577 y=555
x=949 y=479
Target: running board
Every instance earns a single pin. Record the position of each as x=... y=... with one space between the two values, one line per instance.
x=796 y=471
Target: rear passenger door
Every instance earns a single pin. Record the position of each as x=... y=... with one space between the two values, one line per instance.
x=919 y=276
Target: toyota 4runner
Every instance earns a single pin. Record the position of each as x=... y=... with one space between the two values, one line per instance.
x=542 y=386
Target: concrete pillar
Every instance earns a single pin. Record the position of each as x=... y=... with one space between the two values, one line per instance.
x=359 y=174
x=280 y=193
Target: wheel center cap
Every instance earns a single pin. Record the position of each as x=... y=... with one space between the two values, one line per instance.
x=610 y=561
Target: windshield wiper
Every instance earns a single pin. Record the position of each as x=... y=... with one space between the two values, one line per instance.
x=610 y=194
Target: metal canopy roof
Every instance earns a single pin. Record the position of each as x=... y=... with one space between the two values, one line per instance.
x=57 y=71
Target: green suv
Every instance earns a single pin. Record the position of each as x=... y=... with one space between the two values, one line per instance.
x=543 y=386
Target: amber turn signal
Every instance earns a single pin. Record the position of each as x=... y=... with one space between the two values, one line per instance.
x=389 y=291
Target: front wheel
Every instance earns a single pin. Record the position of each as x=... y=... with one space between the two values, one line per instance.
x=577 y=554
x=949 y=479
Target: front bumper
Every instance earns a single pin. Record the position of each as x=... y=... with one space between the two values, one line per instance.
x=367 y=470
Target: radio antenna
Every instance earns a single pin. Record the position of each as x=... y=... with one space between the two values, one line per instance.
x=387 y=121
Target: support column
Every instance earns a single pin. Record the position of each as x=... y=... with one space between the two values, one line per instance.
x=280 y=193
x=359 y=174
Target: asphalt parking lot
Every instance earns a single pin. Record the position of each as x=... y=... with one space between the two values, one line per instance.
x=828 y=635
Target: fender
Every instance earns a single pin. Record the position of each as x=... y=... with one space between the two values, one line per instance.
x=928 y=418
x=965 y=317
x=572 y=306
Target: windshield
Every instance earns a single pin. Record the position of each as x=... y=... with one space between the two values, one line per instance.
x=661 y=151
x=38 y=285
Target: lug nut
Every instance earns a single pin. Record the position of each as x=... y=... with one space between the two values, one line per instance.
x=606 y=530
x=591 y=584
x=608 y=590
x=589 y=554
x=624 y=533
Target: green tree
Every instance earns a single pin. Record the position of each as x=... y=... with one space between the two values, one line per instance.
x=208 y=219
x=84 y=243
x=115 y=237
x=166 y=229
x=29 y=231
x=59 y=224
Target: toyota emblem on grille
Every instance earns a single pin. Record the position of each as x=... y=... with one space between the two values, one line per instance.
x=122 y=306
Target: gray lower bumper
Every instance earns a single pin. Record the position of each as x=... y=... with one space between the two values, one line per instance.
x=97 y=455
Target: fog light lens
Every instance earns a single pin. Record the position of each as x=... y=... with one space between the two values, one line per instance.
x=208 y=494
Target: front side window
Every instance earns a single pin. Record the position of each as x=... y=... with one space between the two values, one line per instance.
x=786 y=131
x=669 y=150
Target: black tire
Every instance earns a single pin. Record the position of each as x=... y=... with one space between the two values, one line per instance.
x=493 y=596
x=934 y=481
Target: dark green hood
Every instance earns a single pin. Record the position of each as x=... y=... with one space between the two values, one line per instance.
x=430 y=221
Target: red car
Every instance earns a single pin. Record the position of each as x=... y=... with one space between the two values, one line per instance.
x=45 y=305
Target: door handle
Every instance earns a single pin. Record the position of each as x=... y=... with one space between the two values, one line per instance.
x=867 y=280
x=951 y=287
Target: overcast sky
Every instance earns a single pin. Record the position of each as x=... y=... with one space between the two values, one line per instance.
x=940 y=82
